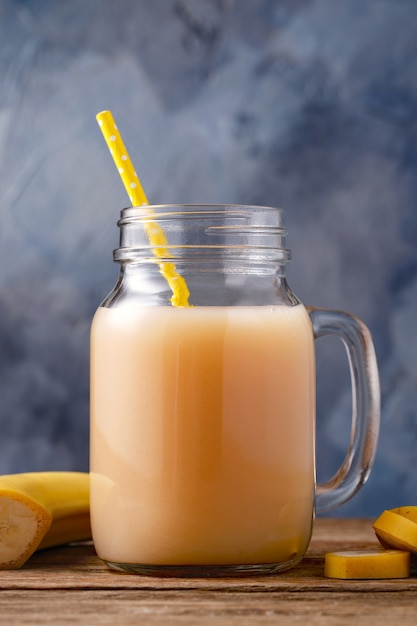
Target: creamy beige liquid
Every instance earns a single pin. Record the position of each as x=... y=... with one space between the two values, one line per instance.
x=202 y=423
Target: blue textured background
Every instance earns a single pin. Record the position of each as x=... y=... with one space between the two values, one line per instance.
x=310 y=105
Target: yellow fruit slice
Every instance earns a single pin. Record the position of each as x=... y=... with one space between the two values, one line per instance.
x=397 y=530
x=367 y=564
x=407 y=511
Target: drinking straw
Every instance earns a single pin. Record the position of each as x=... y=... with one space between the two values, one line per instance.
x=132 y=184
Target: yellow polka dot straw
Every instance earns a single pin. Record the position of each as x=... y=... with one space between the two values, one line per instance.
x=121 y=158
x=138 y=197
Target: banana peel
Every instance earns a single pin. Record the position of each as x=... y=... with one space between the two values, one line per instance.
x=40 y=510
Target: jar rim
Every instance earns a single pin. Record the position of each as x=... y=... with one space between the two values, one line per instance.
x=195 y=229
x=204 y=205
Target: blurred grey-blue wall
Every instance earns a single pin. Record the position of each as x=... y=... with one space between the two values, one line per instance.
x=310 y=105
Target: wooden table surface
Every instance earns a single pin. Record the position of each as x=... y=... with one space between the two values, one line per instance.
x=69 y=585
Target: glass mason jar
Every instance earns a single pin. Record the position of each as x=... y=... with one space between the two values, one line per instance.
x=203 y=406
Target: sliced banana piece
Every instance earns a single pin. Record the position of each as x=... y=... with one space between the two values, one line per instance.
x=367 y=564
x=407 y=511
x=395 y=528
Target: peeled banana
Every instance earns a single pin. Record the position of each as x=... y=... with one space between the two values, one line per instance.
x=40 y=510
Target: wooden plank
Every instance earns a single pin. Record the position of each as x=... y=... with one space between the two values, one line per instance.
x=201 y=607
x=71 y=585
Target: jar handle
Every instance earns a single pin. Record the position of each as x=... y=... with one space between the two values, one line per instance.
x=355 y=469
